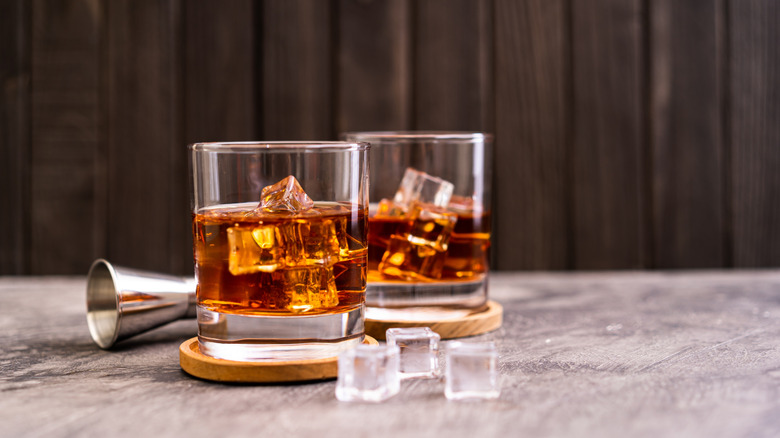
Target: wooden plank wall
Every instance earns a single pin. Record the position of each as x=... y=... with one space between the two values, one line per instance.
x=15 y=136
x=630 y=134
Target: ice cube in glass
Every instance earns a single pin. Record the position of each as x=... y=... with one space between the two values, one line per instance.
x=417 y=186
x=266 y=247
x=253 y=250
x=302 y=285
x=418 y=252
x=368 y=373
x=320 y=242
x=285 y=195
x=419 y=348
x=329 y=294
x=471 y=371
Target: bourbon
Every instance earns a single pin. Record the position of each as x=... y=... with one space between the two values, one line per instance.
x=464 y=256
x=257 y=263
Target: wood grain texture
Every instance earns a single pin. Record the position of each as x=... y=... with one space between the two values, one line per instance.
x=755 y=132
x=452 y=65
x=197 y=364
x=15 y=24
x=297 y=70
x=374 y=66
x=146 y=152
x=629 y=133
x=686 y=53
x=609 y=138
x=532 y=87
x=476 y=322
x=586 y=355
x=65 y=233
x=219 y=71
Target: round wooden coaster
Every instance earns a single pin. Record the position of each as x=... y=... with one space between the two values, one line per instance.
x=197 y=364
x=484 y=320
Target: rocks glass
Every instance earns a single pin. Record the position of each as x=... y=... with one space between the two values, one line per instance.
x=280 y=248
x=429 y=223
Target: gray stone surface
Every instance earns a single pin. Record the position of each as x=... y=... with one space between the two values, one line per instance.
x=588 y=354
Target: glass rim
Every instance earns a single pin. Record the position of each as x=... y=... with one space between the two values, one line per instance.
x=254 y=146
x=419 y=135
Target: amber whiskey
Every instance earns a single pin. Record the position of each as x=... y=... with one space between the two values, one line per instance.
x=464 y=255
x=252 y=262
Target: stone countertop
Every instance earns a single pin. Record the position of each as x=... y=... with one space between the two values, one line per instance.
x=609 y=354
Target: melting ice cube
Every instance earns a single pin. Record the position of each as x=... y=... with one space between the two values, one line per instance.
x=286 y=195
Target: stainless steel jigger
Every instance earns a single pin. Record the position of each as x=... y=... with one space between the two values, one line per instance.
x=123 y=302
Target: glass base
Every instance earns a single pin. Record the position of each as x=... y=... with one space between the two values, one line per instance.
x=418 y=314
x=396 y=300
x=249 y=338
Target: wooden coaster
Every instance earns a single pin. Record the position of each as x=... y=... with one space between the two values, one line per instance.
x=197 y=364
x=484 y=320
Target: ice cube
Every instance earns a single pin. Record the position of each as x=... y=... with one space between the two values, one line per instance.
x=320 y=242
x=471 y=371
x=302 y=285
x=419 y=251
x=417 y=186
x=292 y=244
x=368 y=373
x=285 y=195
x=253 y=249
x=265 y=248
x=431 y=226
x=419 y=348
x=329 y=294
x=350 y=248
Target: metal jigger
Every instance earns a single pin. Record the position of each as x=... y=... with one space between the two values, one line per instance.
x=123 y=302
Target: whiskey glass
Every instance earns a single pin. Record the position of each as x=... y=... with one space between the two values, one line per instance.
x=280 y=248
x=429 y=226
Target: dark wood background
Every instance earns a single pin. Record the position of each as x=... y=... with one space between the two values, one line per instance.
x=629 y=133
